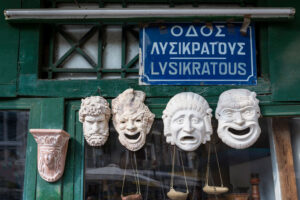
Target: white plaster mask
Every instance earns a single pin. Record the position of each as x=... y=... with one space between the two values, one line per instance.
x=237 y=113
x=187 y=121
x=94 y=113
x=132 y=118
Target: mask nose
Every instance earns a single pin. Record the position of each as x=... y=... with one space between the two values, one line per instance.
x=238 y=119
x=95 y=127
x=130 y=125
x=187 y=126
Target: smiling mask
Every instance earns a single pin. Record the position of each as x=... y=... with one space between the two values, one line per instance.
x=132 y=118
x=187 y=121
x=94 y=113
x=237 y=113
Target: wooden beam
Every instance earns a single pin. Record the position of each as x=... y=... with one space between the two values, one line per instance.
x=284 y=155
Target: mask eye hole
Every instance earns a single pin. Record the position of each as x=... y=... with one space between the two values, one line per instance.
x=180 y=121
x=227 y=113
x=248 y=113
x=195 y=120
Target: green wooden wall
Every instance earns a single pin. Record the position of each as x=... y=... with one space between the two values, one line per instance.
x=284 y=59
x=9 y=44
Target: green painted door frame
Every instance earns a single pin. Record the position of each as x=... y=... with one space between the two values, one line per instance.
x=48 y=113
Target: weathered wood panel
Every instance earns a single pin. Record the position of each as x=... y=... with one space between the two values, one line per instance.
x=284 y=155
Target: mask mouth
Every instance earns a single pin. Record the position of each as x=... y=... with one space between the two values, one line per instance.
x=133 y=137
x=239 y=132
x=188 y=139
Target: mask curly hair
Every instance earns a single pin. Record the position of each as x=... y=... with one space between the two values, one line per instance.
x=94 y=105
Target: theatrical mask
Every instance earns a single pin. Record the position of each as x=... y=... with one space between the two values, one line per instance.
x=52 y=151
x=187 y=121
x=94 y=113
x=237 y=113
x=132 y=118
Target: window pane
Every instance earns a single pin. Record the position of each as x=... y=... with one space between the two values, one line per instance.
x=12 y=153
x=105 y=168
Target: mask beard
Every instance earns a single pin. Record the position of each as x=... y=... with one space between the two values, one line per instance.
x=95 y=139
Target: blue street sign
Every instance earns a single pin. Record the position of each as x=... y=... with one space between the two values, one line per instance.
x=197 y=54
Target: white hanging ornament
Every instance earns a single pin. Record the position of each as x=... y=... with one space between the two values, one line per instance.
x=237 y=113
x=132 y=118
x=187 y=121
x=94 y=113
x=212 y=189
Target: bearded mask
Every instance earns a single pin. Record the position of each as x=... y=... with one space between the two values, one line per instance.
x=237 y=113
x=187 y=121
x=132 y=119
x=94 y=113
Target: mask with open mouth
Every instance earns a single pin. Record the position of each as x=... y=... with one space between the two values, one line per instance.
x=187 y=121
x=132 y=119
x=237 y=113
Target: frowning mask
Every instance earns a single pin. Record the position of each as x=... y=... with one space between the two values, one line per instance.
x=187 y=121
x=94 y=113
x=237 y=113
x=132 y=119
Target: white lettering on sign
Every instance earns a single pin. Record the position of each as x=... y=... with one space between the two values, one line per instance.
x=207 y=33
x=198 y=68
x=219 y=33
x=176 y=31
x=241 y=45
x=191 y=31
x=198 y=48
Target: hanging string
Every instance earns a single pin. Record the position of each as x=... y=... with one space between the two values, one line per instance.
x=134 y=172
x=207 y=171
x=124 y=176
x=187 y=189
x=137 y=176
x=173 y=163
x=219 y=169
x=207 y=167
x=218 y=166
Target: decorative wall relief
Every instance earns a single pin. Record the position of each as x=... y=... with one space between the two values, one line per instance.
x=187 y=121
x=52 y=151
x=237 y=113
x=94 y=113
x=132 y=118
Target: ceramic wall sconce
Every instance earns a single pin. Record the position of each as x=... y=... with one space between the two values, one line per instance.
x=132 y=118
x=94 y=113
x=187 y=121
x=237 y=113
x=52 y=151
